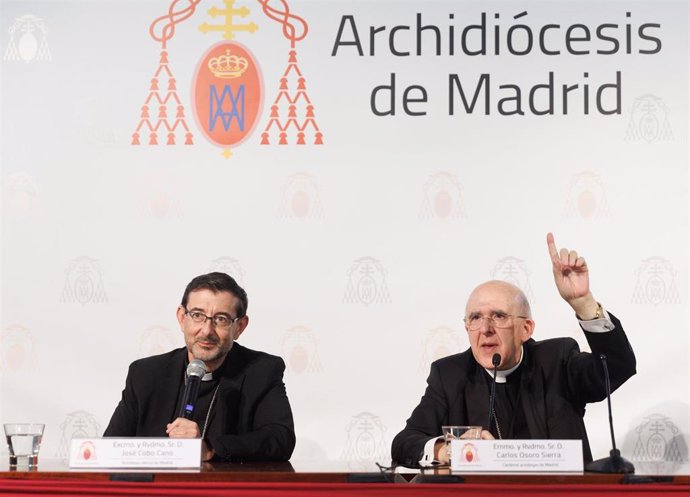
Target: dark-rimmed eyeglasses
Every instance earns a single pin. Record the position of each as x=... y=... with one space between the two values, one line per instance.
x=219 y=320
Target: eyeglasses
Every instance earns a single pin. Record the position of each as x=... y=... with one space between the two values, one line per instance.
x=219 y=320
x=496 y=319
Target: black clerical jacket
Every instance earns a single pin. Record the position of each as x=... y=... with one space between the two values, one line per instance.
x=557 y=381
x=251 y=419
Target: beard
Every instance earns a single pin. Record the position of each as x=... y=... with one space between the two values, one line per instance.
x=213 y=354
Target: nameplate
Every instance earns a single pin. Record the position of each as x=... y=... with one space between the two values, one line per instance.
x=135 y=453
x=516 y=456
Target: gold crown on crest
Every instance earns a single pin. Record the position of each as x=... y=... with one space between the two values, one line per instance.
x=228 y=66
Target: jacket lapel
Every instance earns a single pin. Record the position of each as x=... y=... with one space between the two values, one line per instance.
x=170 y=391
x=229 y=397
x=476 y=396
x=532 y=396
x=163 y=389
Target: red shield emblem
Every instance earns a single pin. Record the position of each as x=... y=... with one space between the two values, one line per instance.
x=228 y=93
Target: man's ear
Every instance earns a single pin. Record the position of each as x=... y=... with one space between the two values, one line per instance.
x=527 y=330
x=241 y=325
x=180 y=314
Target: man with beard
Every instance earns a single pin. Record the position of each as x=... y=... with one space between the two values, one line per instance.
x=242 y=412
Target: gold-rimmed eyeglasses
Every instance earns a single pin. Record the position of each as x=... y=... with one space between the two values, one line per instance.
x=495 y=319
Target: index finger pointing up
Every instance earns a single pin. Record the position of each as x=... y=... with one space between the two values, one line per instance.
x=553 y=251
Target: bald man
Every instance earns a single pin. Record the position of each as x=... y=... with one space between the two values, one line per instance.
x=542 y=386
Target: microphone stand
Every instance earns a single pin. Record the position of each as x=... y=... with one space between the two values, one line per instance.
x=615 y=463
x=495 y=360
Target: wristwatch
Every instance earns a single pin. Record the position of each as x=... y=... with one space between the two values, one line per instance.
x=598 y=315
x=600 y=312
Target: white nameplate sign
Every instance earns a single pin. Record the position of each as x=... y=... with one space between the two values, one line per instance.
x=516 y=456
x=135 y=453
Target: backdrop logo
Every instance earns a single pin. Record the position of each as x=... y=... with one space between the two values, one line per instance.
x=442 y=198
x=162 y=195
x=22 y=199
x=228 y=265
x=156 y=340
x=17 y=348
x=83 y=282
x=659 y=445
x=514 y=270
x=300 y=349
x=28 y=41
x=439 y=342
x=301 y=198
x=366 y=283
x=97 y=124
x=649 y=120
x=365 y=440
x=586 y=197
x=656 y=283
x=227 y=94
x=77 y=424
x=228 y=90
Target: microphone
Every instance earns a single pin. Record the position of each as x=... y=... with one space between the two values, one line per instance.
x=615 y=463
x=195 y=371
x=495 y=360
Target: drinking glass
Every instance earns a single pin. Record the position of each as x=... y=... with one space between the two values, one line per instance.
x=23 y=442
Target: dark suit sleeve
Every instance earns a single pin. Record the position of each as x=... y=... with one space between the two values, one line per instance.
x=424 y=423
x=585 y=370
x=123 y=422
x=272 y=433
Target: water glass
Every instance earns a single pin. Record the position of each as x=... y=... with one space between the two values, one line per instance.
x=23 y=442
x=460 y=432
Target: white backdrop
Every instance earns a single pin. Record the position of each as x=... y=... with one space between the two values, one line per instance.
x=358 y=253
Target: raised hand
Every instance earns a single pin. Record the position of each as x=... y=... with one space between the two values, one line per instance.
x=571 y=274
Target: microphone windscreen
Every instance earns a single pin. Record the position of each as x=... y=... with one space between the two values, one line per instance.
x=496 y=360
x=196 y=368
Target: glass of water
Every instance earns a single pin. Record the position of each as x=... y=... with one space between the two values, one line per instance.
x=460 y=432
x=23 y=442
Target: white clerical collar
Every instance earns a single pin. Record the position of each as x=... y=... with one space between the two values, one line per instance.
x=502 y=376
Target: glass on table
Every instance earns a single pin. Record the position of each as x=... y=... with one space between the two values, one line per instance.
x=457 y=432
x=23 y=442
